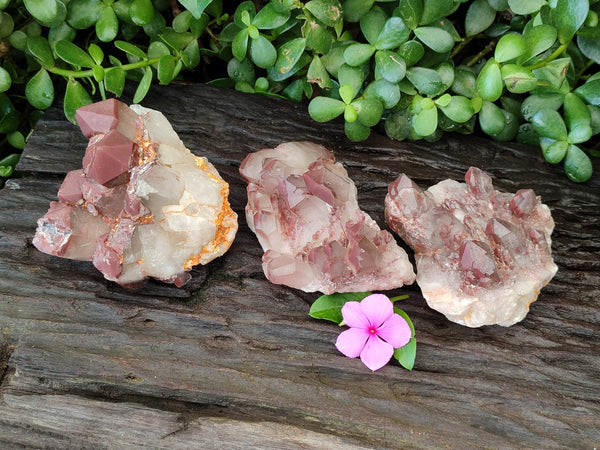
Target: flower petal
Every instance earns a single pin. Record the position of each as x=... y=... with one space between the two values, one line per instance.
x=376 y=353
x=378 y=308
x=352 y=341
x=395 y=331
x=354 y=316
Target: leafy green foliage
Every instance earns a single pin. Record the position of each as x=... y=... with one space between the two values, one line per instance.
x=511 y=69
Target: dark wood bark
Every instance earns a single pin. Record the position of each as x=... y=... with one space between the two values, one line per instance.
x=231 y=358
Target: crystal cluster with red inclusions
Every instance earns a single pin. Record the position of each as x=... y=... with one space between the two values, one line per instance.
x=304 y=211
x=482 y=255
x=142 y=205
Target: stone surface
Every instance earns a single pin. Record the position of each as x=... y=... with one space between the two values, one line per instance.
x=142 y=205
x=304 y=211
x=482 y=255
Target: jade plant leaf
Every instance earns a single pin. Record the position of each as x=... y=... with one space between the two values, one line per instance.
x=75 y=97
x=39 y=90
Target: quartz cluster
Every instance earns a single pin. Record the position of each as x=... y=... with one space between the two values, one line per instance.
x=142 y=205
x=304 y=211
x=482 y=255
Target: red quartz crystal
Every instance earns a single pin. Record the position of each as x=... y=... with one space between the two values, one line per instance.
x=142 y=205
x=304 y=211
x=482 y=255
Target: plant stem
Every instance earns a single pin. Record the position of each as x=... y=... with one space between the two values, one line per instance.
x=89 y=72
x=555 y=54
x=488 y=48
x=460 y=46
x=399 y=297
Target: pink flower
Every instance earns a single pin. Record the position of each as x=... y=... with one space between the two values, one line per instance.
x=375 y=331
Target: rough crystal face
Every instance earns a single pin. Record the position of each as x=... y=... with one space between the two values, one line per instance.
x=482 y=255
x=142 y=205
x=304 y=211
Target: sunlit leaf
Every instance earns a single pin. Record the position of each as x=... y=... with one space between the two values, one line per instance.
x=329 y=307
x=71 y=53
x=75 y=97
x=144 y=86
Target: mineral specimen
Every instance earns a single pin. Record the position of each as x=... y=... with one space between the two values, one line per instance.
x=143 y=205
x=304 y=211
x=482 y=255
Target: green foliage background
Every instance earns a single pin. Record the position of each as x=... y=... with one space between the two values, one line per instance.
x=524 y=70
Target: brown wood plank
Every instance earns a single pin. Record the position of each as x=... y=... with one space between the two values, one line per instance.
x=234 y=355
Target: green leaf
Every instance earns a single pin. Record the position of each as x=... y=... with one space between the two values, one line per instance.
x=372 y=23
x=39 y=90
x=369 y=111
x=75 y=97
x=16 y=140
x=318 y=37
x=411 y=52
x=5 y=80
x=69 y=52
x=8 y=164
x=141 y=12
x=347 y=93
x=479 y=17
x=239 y=46
x=355 y=9
x=435 y=38
x=510 y=130
x=289 y=54
x=318 y=74
x=534 y=103
x=181 y=22
x=464 y=82
x=83 y=14
x=262 y=52
x=42 y=10
x=357 y=54
x=518 y=79
x=96 y=53
x=353 y=76
x=350 y=114
x=411 y=12
x=491 y=118
x=590 y=91
x=425 y=122
x=489 y=81
x=554 y=72
x=554 y=151
x=510 y=46
x=324 y=109
x=538 y=39
x=329 y=307
x=384 y=91
x=192 y=51
x=578 y=119
x=460 y=109
x=427 y=81
x=166 y=69
x=270 y=17
x=590 y=48
x=549 y=123
x=114 y=80
x=130 y=49
x=39 y=48
x=394 y=33
x=406 y=355
x=525 y=7
x=595 y=115
x=569 y=16
x=434 y=9
x=107 y=25
x=196 y=7
x=9 y=116
x=144 y=86
x=327 y=11
x=390 y=66
x=7 y=25
x=397 y=125
x=578 y=166
x=356 y=131
x=241 y=70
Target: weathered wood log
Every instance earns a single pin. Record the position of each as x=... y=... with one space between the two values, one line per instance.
x=233 y=358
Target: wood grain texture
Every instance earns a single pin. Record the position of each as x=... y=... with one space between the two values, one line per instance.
x=233 y=358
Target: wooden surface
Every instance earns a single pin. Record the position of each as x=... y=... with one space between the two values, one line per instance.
x=233 y=361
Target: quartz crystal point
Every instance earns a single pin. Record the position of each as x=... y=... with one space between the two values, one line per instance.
x=482 y=255
x=142 y=205
x=304 y=211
